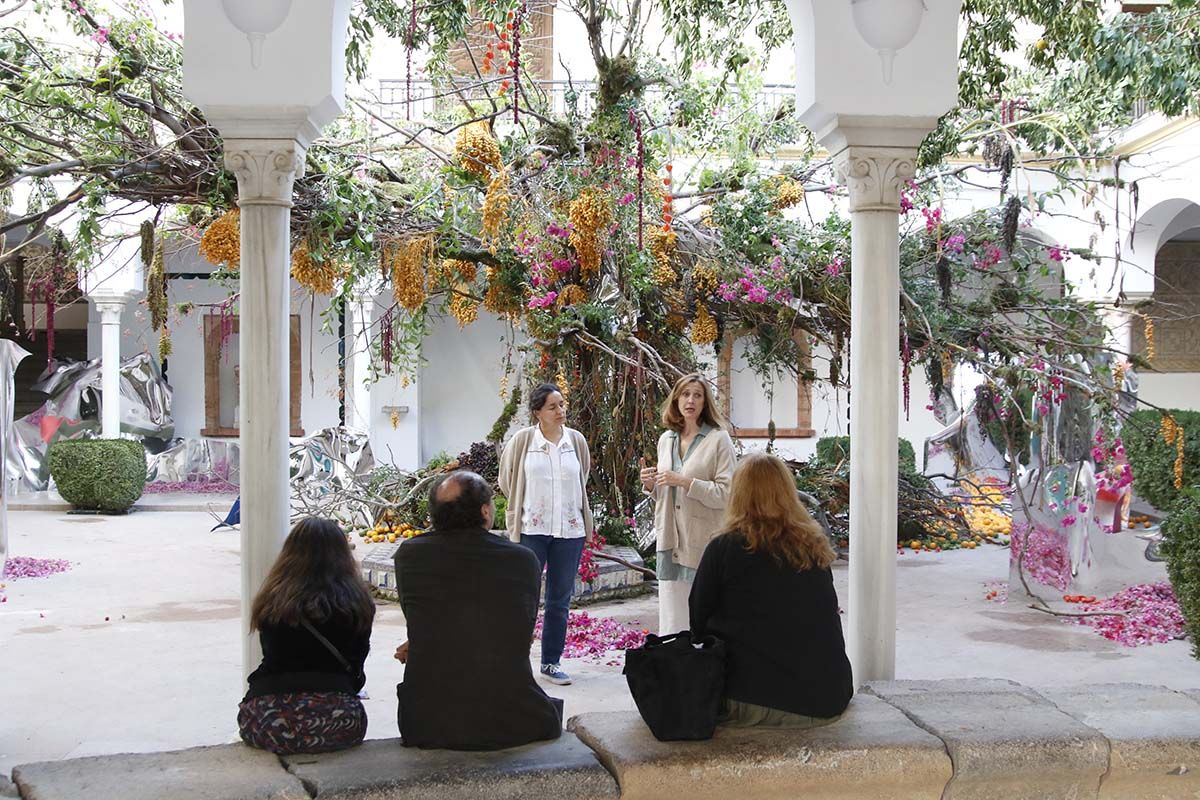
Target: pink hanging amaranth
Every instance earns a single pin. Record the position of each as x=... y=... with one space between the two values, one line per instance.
x=385 y=343
x=516 y=62
x=636 y=122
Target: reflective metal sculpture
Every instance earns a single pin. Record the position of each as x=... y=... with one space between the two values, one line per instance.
x=11 y=354
x=72 y=411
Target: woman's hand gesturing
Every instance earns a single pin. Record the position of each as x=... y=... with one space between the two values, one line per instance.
x=648 y=475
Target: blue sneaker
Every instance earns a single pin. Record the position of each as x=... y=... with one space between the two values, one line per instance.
x=554 y=674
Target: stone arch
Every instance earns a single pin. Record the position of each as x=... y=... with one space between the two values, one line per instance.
x=1157 y=225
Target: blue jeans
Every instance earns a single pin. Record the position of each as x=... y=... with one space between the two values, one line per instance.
x=560 y=559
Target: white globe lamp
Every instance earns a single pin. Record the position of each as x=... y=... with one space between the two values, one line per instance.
x=888 y=26
x=256 y=19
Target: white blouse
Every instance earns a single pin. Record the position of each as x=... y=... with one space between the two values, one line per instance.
x=553 y=495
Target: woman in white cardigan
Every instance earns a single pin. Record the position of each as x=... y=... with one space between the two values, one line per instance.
x=690 y=486
x=543 y=473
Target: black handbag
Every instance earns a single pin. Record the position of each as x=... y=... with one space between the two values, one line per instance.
x=678 y=683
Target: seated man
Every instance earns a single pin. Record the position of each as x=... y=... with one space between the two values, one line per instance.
x=471 y=600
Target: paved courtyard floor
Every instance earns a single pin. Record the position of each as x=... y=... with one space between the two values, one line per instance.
x=136 y=648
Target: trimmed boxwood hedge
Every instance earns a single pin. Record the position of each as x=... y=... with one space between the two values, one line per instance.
x=99 y=474
x=833 y=449
x=1181 y=548
x=1153 y=460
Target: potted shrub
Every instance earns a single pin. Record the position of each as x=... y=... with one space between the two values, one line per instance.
x=99 y=474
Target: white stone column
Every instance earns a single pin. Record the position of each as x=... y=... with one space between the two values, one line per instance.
x=265 y=170
x=876 y=176
x=110 y=310
x=358 y=360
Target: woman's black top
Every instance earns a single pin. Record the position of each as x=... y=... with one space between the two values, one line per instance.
x=295 y=661
x=783 y=636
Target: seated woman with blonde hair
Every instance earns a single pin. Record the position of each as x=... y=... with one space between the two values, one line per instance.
x=765 y=587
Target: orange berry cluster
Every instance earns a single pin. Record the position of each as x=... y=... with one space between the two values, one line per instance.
x=501 y=45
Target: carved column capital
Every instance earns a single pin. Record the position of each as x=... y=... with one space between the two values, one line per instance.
x=110 y=311
x=876 y=176
x=265 y=168
x=110 y=306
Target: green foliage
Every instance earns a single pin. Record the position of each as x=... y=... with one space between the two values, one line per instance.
x=501 y=503
x=99 y=474
x=1153 y=460
x=1181 y=548
x=439 y=460
x=506 y=417
x=615 y=530
x=832 y=450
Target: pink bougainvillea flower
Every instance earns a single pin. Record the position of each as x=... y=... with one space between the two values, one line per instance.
x=1046 y=560
x=1151 y=615
x=25 y=567
x=595 y=637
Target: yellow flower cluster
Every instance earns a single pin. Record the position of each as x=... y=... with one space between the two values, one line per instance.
x=571 y=294
x=1119 y=376
x=495 y=205
x=787 y=192
x=406 y=261
x=704 y=278
x=590 y=216
x=676 y=320
x=221 y=243
x=319 y=277
x=947 y=367
x=1172 y=433
x=477 y=150
x=164 y=345
x=662 y=247
x=704 y=327
x=560 y=380
x=463 y=307
x=465 y=270
x=497 y=299
x=1149 y=331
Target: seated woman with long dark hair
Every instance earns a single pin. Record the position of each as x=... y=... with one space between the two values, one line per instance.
x=313 y=615
x=764 y=586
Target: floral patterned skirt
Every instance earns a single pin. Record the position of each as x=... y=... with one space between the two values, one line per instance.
x=302 y=722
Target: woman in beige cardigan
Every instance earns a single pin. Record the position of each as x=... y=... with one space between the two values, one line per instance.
x=543 y=473
x=690 y=486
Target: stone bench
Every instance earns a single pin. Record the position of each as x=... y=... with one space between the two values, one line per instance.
x=971 y=739
x=379 y=769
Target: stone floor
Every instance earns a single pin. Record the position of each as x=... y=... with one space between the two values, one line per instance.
x=136 y=648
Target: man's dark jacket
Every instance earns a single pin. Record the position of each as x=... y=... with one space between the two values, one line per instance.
x=470 y=599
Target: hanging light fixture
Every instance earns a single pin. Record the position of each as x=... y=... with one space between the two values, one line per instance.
x=888 y=26
x=256 y=19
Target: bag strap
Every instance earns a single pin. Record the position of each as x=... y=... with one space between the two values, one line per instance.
x=329 y=646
